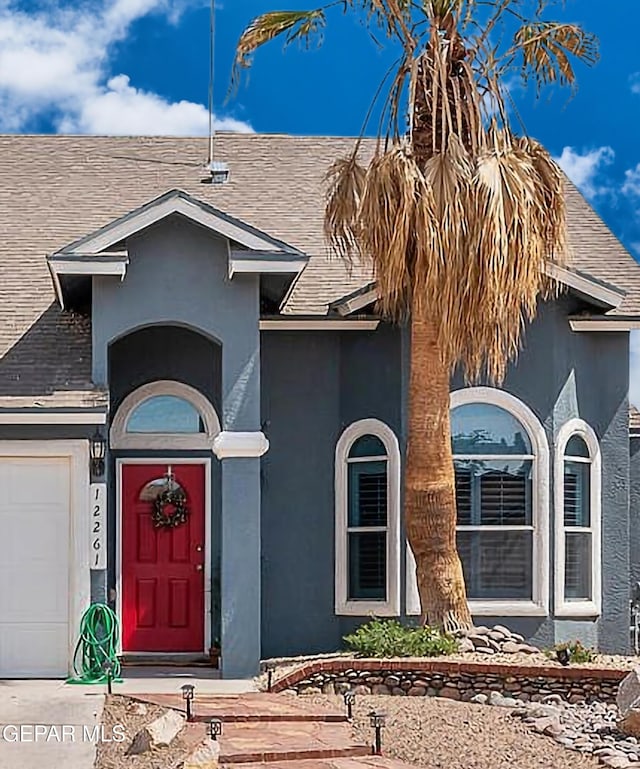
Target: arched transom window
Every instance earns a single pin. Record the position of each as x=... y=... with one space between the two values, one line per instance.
x=500 y=455
x=165 y=414
x=577 y=503
x=367 y=520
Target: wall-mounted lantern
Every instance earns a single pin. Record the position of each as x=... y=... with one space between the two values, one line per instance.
x=97 y=451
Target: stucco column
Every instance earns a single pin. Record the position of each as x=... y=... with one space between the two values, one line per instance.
x=240 y=567
x=240 y=576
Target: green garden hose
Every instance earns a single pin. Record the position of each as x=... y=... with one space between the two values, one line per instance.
x=95 y=658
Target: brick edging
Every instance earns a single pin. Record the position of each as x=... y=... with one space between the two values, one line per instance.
x=420 y=665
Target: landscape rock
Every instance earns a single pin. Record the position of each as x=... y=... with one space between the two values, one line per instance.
x=479 y=699
x=466 y=646
x=510 y=647
x=205 y=756
x=159 y=733
x=628 y=702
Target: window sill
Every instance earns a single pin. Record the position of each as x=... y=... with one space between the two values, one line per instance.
x=366 y=608
x=578 y=610
x=507 y=609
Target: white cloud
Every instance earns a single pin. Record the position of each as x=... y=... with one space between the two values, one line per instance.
x=635 y=82
x=121 y=109
x=631 y=186
x=56 y=62
x=584 y=168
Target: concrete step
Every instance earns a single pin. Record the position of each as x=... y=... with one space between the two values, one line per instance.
x=252 y=707
x=288 y=741
x=358 y=762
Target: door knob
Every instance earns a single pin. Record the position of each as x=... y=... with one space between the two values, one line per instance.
x=198 y=548
x=199 y=567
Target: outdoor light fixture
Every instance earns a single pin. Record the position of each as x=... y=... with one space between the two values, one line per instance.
x=107 y=669
x=270 y=668
x=563 y=656
x=349 y=700
x=188 y=693
x=97 y=451
x=215 y=728
x=377 y=721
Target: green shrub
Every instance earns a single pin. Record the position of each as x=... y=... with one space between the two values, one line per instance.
x=577 y=652
x=388 y=638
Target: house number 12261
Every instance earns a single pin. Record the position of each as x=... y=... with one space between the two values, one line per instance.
x=98 y=523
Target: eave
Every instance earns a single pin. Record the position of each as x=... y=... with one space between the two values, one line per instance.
x=105 y=253
x=600 y=294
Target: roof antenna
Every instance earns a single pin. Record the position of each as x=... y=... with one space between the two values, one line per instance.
x=217 y=171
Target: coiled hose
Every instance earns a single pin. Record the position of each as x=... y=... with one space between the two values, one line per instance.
x=95 y=655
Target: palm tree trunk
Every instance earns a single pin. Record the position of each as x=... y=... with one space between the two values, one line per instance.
x=430 y=501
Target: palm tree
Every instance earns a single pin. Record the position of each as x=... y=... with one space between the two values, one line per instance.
x=459 y=216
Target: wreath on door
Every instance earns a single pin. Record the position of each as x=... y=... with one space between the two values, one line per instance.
x=170 y=509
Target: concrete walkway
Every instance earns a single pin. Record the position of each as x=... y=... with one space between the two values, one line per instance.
x=51 y=705
x=272 y=731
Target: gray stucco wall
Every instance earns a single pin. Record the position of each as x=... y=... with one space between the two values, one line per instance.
x=178 y=277
x=634 y=510
x=314 y=384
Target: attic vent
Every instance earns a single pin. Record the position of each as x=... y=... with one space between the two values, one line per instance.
x=217 y=172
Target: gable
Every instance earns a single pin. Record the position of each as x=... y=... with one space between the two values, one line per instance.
x=104 y=252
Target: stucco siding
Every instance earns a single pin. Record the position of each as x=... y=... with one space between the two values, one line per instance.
x=315 y=384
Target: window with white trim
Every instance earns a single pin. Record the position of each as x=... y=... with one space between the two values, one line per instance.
x=578 y=488
x=493 y=460
x=367 y=520
x=164 y=415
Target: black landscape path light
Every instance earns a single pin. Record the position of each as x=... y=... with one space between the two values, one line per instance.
x=377 y=721
x=349 y=700
x=215 y=728
x=107 y=669
x=563 y=656
x=188 y=693
x=270 y=668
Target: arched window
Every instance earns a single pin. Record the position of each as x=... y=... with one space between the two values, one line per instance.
x=577 y=505
x=367 y=478
x=164 y=415
x=501 y=460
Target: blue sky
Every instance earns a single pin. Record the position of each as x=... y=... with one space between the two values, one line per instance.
x=141 y=66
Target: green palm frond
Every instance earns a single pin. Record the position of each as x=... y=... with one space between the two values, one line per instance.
x=300 y=26
x=546 y=48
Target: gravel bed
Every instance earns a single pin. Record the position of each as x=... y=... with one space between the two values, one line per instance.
x=111 y=755
x=440 y=734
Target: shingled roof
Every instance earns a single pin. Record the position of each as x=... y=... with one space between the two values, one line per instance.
x=57 y=189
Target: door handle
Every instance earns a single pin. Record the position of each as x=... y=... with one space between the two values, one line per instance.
x=199 y=567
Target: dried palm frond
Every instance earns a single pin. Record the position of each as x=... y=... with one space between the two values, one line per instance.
x=546 y=48
x=345 y=183
x=458 y=216
x=386 y=224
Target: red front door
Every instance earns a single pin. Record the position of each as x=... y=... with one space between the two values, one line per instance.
x=162 y=568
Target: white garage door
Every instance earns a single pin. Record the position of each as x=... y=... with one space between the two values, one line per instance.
x=34 y=566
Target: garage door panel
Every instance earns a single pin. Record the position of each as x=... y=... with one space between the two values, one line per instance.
x=33 y=650
x=38 y=481
x=34 y=566
x=34 y=537
x=44 y=599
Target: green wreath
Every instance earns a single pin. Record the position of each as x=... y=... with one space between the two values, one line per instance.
x=170 y=498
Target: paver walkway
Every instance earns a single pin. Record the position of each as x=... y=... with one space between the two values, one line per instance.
x=273 y=731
